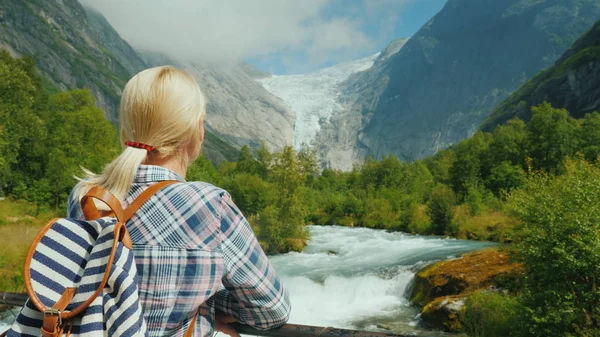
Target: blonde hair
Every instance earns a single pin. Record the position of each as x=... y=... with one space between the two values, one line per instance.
x=161 y=107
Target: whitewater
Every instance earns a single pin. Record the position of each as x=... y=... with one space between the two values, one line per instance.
x=313 y=96
x=357 y=278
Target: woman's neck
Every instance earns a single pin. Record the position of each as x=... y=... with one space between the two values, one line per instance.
x=173 y=163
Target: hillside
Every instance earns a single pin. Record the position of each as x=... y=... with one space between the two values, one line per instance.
x=444 y=82
x=76 y=47
x=71 y=48
x=572 y=83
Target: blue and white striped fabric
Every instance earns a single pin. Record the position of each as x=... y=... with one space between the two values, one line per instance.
x=75 y=254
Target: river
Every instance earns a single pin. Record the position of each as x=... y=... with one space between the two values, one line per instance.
x=359 y=278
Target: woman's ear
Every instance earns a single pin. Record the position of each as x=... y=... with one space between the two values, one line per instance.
x=201 y=130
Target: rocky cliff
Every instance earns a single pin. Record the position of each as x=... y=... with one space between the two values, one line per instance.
x=443 y=83
x=71 y=48
x=572 y=83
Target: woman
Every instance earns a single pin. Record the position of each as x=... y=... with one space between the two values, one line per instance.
x=195 y=252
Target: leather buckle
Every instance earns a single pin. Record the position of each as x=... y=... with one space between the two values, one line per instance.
x=54 y=312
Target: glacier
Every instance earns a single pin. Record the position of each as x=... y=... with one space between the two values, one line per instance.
x=313 y=96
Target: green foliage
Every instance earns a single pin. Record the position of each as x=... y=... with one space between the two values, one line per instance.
x=44 y=140
x=559 y=246
x=492 y=314
x=552 y=136
x=246 y=162
x=379 y=214
x=416 y=220
x=509 y=144
x=440 y=204
x=250 y=193
x=466 y=169
x=589 y=136
x=203 y=170
x=505 y=177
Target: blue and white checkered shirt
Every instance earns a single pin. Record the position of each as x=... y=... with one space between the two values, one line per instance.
x=195 y=252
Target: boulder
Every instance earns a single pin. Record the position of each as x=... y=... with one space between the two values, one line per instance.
x=441 y=288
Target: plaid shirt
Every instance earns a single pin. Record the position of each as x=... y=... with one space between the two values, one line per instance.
x=195 y=252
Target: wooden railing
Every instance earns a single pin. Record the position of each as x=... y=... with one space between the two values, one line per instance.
x=288 y=330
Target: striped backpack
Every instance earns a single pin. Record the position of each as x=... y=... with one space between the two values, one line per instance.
x=81 y=276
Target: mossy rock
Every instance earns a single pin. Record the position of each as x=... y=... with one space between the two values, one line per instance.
x=296 y=245
x=444 y=313
x=473 y=271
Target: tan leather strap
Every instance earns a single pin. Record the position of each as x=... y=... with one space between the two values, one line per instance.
x=53 y=324
x=89 y=208
x=147 y=194
x=190 y=330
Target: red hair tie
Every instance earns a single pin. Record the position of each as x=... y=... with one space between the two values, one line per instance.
x=140 y=146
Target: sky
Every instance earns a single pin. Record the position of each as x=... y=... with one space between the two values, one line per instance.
x=279 y=36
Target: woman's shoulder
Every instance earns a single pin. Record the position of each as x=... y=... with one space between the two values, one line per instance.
x=200 y=189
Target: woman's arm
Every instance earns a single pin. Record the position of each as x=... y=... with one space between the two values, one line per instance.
x=253 y=294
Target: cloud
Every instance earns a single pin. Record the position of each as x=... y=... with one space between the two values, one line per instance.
x=232 y=30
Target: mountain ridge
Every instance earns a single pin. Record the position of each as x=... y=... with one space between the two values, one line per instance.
x=448 y=77
x=572 y=83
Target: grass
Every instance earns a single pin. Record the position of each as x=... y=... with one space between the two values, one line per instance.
x=488 y=225
x=18 y=227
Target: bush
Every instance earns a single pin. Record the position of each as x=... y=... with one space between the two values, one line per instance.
x=559 y=246
x=492 y=314
x=440 y=205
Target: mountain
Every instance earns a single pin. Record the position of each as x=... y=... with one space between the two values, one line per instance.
x=444 y=82
x=76 y=47
x=572 y=83
x=313 y=96
x=72 y=49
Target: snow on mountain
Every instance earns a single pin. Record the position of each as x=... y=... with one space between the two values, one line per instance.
x=313 y=96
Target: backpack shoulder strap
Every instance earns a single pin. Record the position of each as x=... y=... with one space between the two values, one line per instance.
x=89 y=208
x=147 y=194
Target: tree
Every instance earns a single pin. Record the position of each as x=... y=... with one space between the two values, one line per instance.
x=559 y=246
x=509 y=144
x=21 y=129
x=265 y=159
x=307 y=160
x=589 y=135
x=250 y=193
x=285 y=171
x=466 y=169
x=552 y=137
x=203 y=170
x=505 y=177
x=441 y=165
x=246 y=163
x=440 y=204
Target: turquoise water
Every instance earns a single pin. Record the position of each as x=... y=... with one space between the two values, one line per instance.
x=361 y=278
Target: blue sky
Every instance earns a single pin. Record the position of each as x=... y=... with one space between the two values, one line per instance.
x=403 y=20
x=279 y=36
